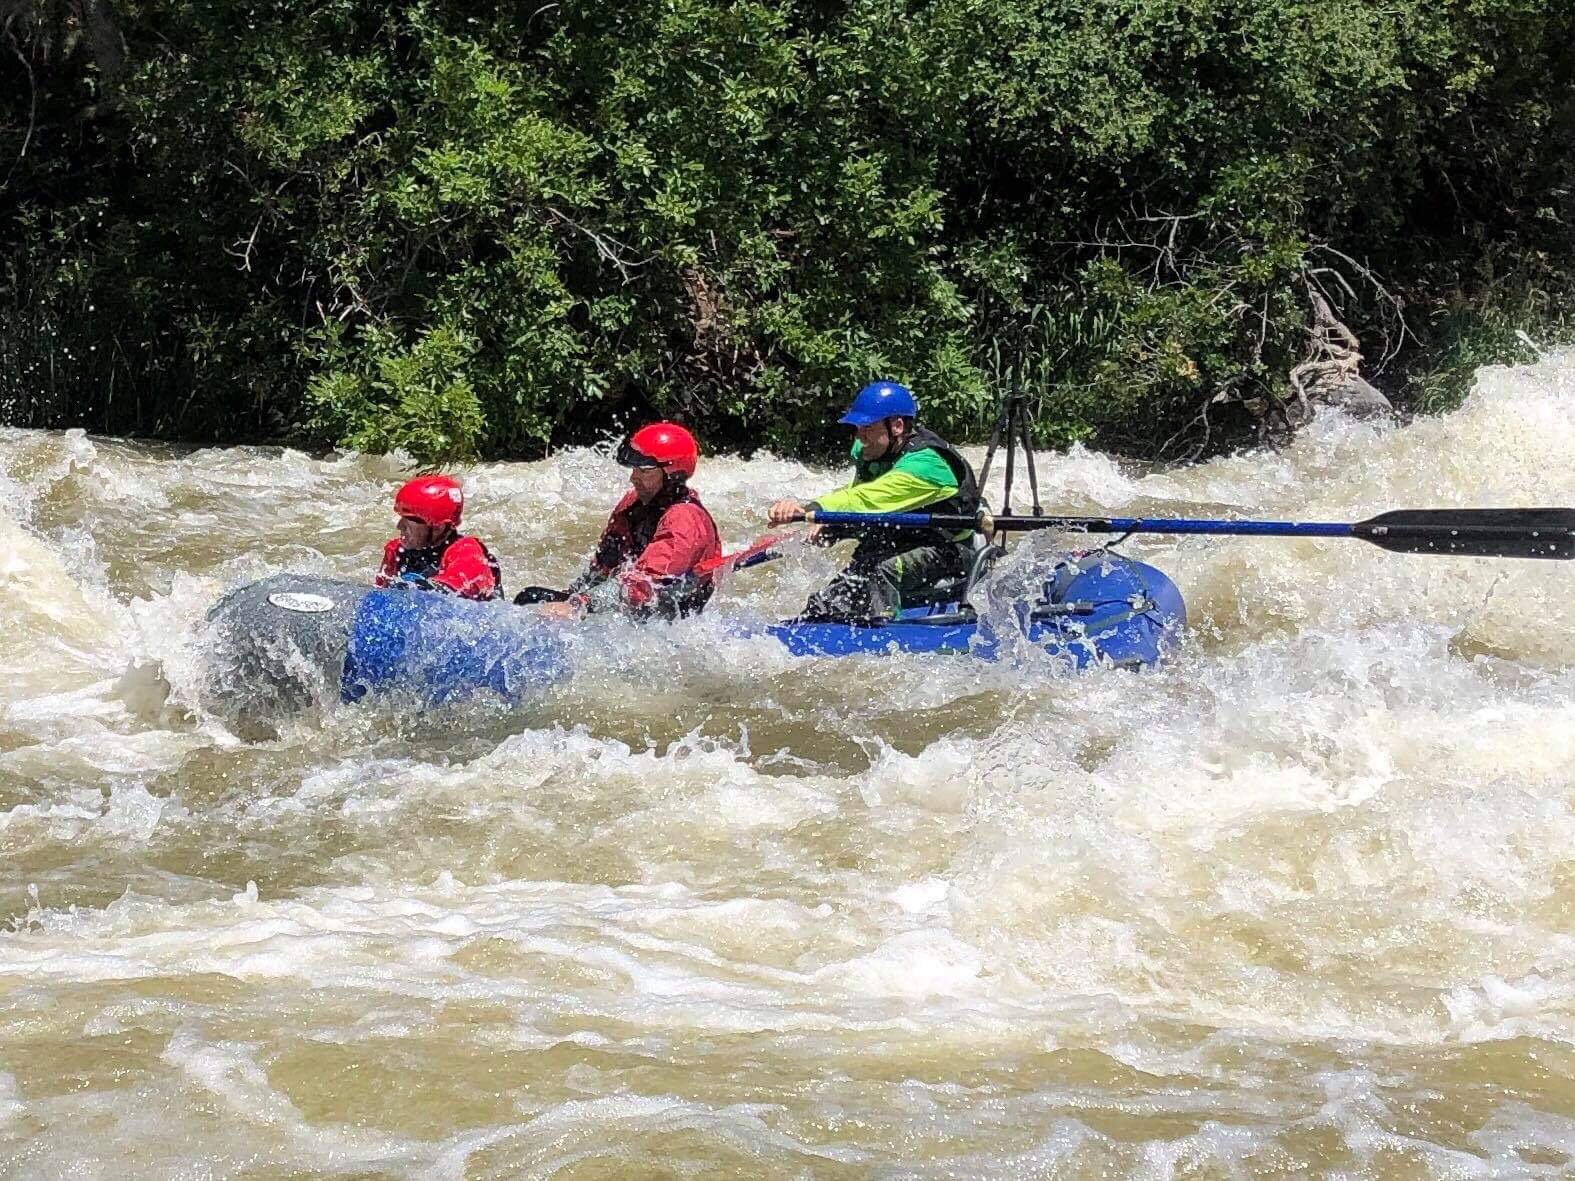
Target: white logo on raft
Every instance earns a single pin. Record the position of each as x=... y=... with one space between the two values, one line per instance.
x=295 y=601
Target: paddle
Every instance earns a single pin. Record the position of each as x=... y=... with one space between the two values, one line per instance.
x=762 y=549
x=1480 y=532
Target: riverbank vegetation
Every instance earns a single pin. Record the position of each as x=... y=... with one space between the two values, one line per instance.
x=459 y=228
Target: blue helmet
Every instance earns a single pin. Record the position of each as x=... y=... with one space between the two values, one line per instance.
x=879 y=401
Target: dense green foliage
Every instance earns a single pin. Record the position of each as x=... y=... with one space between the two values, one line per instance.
x=455 y=227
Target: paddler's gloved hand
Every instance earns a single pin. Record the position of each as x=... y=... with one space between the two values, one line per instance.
x=532 y=595
x=410 y=580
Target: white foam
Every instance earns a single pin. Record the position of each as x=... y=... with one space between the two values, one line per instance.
x=721 y=902
x=11 y=1105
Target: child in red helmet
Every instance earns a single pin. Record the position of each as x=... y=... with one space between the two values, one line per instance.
x=659 y=533
x=430 y=552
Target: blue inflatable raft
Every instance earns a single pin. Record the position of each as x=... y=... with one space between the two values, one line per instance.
x=286 y=642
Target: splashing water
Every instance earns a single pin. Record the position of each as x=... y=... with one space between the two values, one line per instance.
x=1298 y=902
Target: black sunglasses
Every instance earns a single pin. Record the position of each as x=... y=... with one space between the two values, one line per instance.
x=629 y=457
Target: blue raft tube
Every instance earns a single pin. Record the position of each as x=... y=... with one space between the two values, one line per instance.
x=288 y=642
x=1092 y=609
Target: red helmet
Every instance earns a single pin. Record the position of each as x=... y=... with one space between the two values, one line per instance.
x=432 y=500
x=662 y=444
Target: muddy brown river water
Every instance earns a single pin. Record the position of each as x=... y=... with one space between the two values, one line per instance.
x=1298 y=903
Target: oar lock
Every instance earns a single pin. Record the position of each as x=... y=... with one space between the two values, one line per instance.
x=1139 y=603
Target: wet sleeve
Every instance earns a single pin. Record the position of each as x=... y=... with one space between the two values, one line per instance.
x=612 y=550
x=389 y=570
x=898 y=491
x=684 y=538
x=465 y=570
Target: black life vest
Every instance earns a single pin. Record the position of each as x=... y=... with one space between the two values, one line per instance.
x=428 y=560
x=684 y=595
x=963 y=502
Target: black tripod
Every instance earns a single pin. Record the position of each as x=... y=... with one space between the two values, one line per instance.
x=1011 y=425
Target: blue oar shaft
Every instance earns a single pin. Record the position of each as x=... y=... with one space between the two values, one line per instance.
x=1465 y=532
x=1226 y=528
x=1089 y=524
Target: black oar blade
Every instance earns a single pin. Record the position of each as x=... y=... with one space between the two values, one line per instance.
x=1476 y=532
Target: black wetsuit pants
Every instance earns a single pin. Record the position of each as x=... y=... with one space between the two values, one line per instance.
x=882 y=579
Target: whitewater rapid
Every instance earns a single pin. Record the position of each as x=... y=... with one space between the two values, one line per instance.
x=1297 y=903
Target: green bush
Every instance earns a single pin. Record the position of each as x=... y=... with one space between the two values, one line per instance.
x=458 y=228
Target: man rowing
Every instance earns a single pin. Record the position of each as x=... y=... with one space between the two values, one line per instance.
x=898 y=466
x=654 y=556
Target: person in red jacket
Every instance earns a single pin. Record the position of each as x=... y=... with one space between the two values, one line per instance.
x=659 y=544
x=430 y=553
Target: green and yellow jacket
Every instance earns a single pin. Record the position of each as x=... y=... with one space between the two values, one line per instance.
x=927 y=473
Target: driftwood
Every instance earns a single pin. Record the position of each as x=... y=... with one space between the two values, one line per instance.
x=1330 y=372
